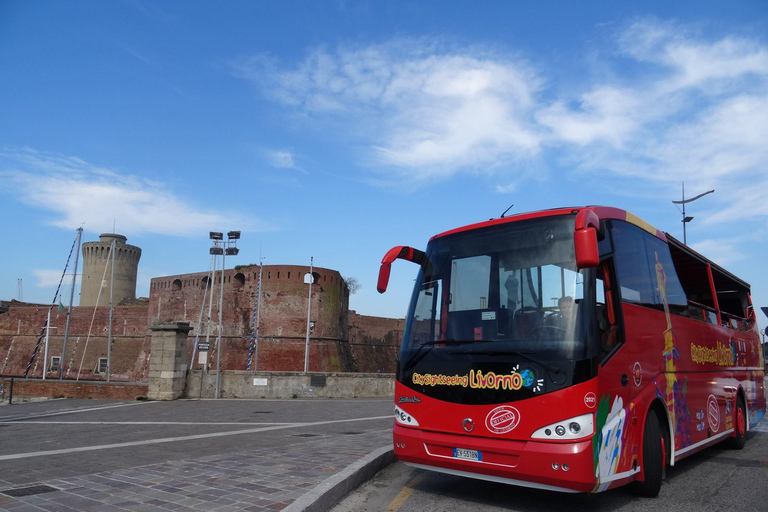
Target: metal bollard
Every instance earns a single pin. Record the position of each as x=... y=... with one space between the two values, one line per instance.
x=10 y=393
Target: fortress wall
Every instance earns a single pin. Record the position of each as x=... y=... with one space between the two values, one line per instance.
x=342 y=340
x=20 y=329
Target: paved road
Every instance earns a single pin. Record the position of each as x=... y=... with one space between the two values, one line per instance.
x=222 y=455
x=715 y=480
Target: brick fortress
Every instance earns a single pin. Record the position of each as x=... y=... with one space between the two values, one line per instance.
x=341 y=340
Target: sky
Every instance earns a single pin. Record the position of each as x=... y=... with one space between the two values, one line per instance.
x=336 y=130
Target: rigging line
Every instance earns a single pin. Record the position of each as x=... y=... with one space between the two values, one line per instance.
x=256 y=306
x=200 y=318
x=45 y=325
x=90 y=327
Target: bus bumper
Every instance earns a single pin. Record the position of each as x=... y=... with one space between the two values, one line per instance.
x=565 y=467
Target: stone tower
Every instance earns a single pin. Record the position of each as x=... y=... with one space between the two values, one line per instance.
x=97 y=258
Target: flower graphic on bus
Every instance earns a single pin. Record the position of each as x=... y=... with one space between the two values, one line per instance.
x=608 y=440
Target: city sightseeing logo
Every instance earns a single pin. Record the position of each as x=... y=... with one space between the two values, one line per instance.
x=721 y=355
x=475 y=380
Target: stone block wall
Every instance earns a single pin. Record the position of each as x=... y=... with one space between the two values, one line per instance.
x=54 y=388
x=281 y=385
x=168 y=366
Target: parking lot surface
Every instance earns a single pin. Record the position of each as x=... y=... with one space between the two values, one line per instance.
x=223 y=455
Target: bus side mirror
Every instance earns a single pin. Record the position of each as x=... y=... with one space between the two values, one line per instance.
x=383 y=282
x=400 y=252
x=585 y=239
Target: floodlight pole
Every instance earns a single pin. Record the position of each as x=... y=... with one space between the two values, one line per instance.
x=218 y=239
x=221 y=309
x=686 y=220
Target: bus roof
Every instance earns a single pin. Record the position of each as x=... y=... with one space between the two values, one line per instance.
x=603 y=212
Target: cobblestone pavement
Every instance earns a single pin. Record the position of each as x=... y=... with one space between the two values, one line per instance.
x=258 y=478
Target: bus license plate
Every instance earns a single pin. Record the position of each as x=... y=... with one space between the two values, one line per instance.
x=463 y=453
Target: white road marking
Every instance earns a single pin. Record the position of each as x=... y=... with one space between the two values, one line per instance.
x=71 y=411
x=149 y=423
x=181 y=438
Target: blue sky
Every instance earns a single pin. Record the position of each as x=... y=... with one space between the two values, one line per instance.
x=340 y=129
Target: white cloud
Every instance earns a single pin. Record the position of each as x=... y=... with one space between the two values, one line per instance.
x=723 y=251
x=693 y=62
x=78 y=192
x=695 y=110
x=725 y=140
x=671 y=103
x=506 y=189
x=426 y=112
x=47 y=278
x=606 y=114
x=282 y=160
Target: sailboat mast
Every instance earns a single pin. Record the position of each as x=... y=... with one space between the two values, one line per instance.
x=111 y=295
x=69 y=310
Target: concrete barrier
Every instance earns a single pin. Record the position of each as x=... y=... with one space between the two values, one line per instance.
x=242 y=384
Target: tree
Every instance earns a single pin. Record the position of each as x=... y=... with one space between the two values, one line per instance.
x=352 y=284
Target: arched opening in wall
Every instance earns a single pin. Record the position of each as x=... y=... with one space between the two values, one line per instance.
x=176 y=285
x=239 y=279
x=204 y=283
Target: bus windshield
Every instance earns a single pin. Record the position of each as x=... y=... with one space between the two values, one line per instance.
x=498 y=298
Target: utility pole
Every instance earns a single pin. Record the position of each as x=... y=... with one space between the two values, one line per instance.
x=686 y=220
x=308 y=279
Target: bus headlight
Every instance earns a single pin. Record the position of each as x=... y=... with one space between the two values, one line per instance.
x=404 y=418
x=572 y=428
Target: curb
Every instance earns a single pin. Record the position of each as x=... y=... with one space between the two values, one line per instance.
x=331 y=491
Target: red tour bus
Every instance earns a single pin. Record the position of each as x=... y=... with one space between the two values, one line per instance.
x=574 y=349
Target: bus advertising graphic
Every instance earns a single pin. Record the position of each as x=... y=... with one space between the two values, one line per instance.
x=574 y=350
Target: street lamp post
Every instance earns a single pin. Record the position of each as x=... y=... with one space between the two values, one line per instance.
x=224 y=248
x=687 y=219
x=308 y=279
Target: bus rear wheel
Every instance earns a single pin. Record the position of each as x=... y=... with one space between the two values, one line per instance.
x=740 y=426
x=654 y=458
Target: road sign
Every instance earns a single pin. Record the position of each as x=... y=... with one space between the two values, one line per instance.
x=203 y=346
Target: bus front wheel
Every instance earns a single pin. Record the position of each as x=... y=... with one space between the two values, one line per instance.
x=654 y=455
x=740 y=426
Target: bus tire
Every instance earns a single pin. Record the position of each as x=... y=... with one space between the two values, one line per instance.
x=740 y=426
x=653 y=458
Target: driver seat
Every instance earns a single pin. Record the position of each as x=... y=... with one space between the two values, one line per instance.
x=526 y=319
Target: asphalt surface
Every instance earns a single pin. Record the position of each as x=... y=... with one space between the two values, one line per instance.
x=224 y=455
x=713 y=480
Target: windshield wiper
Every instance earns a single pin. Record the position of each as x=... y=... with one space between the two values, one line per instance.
x=547 y=366
x=420 y=352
